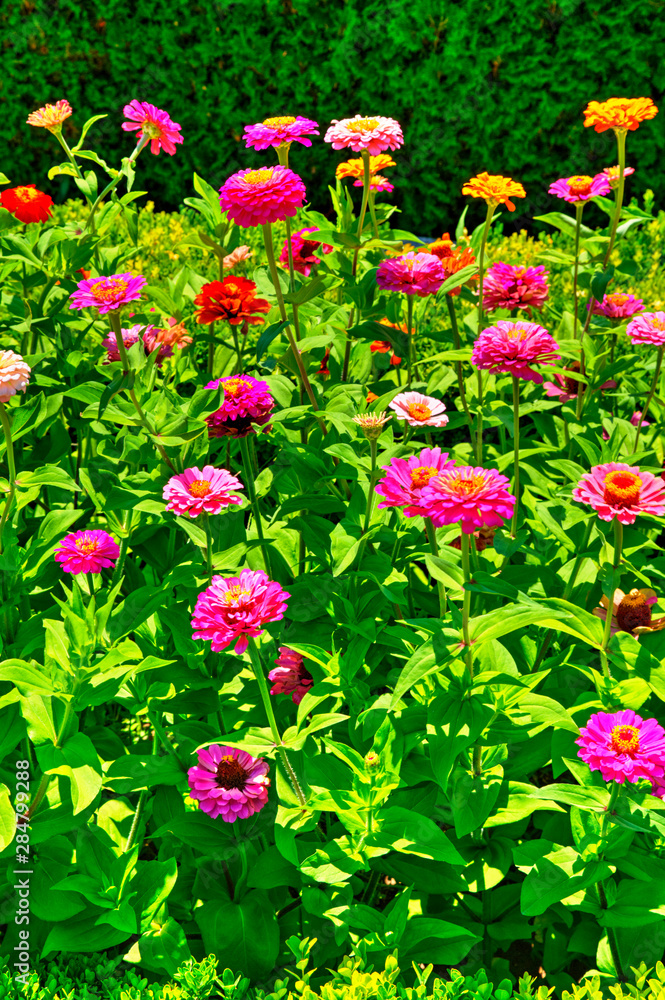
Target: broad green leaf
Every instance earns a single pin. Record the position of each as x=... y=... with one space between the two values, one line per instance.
x=248 y=930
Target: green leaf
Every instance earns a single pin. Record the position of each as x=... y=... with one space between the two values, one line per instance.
x=84 y=131
x=565 y=223
x=161 y=948
x=410 y=832
x=248 y=930
x=77 y=760
x=595 y=799
x=7 y=818
x=83 y=934
x=47 y=475
x=428 y=939
x=267 y=336
x=472 y=798
x=120 y=381
x=152 y=886
x=550 y=881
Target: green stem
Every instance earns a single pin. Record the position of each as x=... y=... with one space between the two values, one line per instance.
x=370 y=493
x=481 y=276
x=46 y=778
x=516 y=445
x=430 y=531
x=466 y=607
x=644 y=412
x=375 y=225
x=211 y=347
x=363 y=207
x=618 y=546
x=6 y=426
x=70 y=156
x=145 y=139
x=410 y=335
x=579 y=207
x=477 y=761
x=141 y=802
x=458 y=364
x=120 y=563
x=206 y=522
x=254 y=503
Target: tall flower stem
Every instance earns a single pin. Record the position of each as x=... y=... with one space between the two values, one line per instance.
x=618 y=546
x=254 y=503
x=579 y=206
x=644 y=412
x=410 y=334
x=602 y=896
x=283 y=157
x=516 y=445
x=211 y=347
x=12 y=469
x=208 y=531
x=257 y=667
x=481 y=276
x=363 y=207
x=458 y=364
x=372 y=212
x=466 y=606
x=90 y=221
x=143 y=794
x=430 y=531
x=370 y=494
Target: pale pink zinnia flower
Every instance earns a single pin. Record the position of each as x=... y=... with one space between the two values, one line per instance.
x=247 y=401
x=228 y=782
x=578 y=189
x=233 y=608
x=473 y=497
x=612 y=174
x=205 y=491
x=419 y=410
x=623 y=746
x=513 y=347
x=236 y=256
x=623 y=491
x=153 y=123
x=649 y=328
x=255 y=197
x=617 y=305
x=413 y=273
x=375 y=134
x=107 y=293
x=14 y=375
x=507 y=286
x=130 y=337
x=275 y=131
x=87 y=551
x=290 y=676
x=303 y=251
x=406 y=478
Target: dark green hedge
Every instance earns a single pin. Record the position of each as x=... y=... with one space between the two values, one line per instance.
x=478 y=85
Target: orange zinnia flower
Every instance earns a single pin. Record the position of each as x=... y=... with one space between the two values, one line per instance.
x=27 y=203
x=494 y=189
x=51 y=116
x=453 y=258
x=623 y=114
x=233 y=299
x=355 y=168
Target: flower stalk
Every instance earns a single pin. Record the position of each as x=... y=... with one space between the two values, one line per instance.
x=654 y=383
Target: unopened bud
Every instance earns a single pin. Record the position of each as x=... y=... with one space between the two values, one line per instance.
x=372 y=423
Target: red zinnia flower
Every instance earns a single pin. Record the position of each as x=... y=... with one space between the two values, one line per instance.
x=27 y=203
x=233 y=299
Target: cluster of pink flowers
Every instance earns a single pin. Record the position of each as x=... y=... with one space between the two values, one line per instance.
x=513 y=348
x=247 y=401
x=231 y=609
x=507 y=286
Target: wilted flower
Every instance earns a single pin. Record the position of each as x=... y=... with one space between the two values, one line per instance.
x=612 y=174
x=236 y=256
x=107 y=293
x=233 y=299
x=87 y=551
x=275 y=131
x=567 y=388
x=247 y=401
x=405 y=479
x=229 y=783
x=173 y=335
x=623 y=491
x=482 y=539
x=384 y=347
x=51 y=116
x=153 y=123
x=617 y=305
x=623 y=746
x=303 y=251
x=579 y=188
x=205 y=491
x=233 y=608
x=290 y=676
x=513 y=347
x=494 y=189
x=623 y=114
x=473 y=497
x=631 y=612
x=265 y=195
x=649 y=328
x=375 y=134
x=356 y=167
x=14 y=375
x=412 y=273
x=372 y=424
x=507 y=286
x=27 y=203
x=418 y=410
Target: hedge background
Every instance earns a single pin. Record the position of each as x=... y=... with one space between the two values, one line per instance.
x=497 y=85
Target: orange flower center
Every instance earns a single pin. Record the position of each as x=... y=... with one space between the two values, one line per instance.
x=622 y=488
x=363 y=125
x=516 y=333
x=107 y=291
x=633 y=611
x=625 y=739
x=231 y=773
x=657 y=324
x=618 y=298
x=27 y=193
x=463 y=486
x=277 y=122
x=234 y=594
x=199 y=488
x=419 y=411
x=421 y=475
x=234 y=385
x=86 y=546
x=258 y=176
x=581 y=184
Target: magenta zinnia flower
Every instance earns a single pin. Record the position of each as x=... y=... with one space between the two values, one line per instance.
x=205 y=491
x=474 y=497
x=513 y=348
x=405 y=479
x=107 y=293
x=14 y=375
x=229 y=783
x=275 y=131
x=130 y=337
x=233 y=608
x=617 y=305
x=419 y=410
x=578 y=189
x=507 y=286
x=374 y=134
x=623 y=746
x=151 y=122
x=290 y=676
x=247 y=401
x=618 y=490
x=257 y=197
x=303 y=251
x=649 y=328
x=87 y=551
x=412 y=273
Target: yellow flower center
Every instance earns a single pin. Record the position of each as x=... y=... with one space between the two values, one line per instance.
x=419 y=411
x=278 y=122
x=26 y=193
x=199 y=488
x=234 y=594
x=107 y=291
x=363 y=125
x=622 y=488
x=462 y=486
x=86 y=546
x=618 y=298
x=421 y=475
x=258 y=176
x=580 y=184
x=233 y=386
x=633 y=611
x=625 y=739
x=516 y=333
x=151 y=129
x=657 y=324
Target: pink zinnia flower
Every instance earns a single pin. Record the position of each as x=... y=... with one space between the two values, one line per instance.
x=247 y=401
x=649 y=328
x=617 y=305
x=578 y=189
x=290 y=676
x=151 y=122
x=131 y=337
x=635 y=420
x=406 y=479
x=233 y=608
x=507 y=286
x=303 y=251
x=374 y=134
x=87 y=551
x=107 y=293
x=612 y=174
x=205 y=491
x=474 y=497
x=567 y=388
x=237 y=255
x=257 y=197
x=376 y=183
x=623 y=746
x=275 y=131
x=14 y=375
x=619 y=490
x=419 y=410
x=513 y=348
x=229 y=783
x=412 y=273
